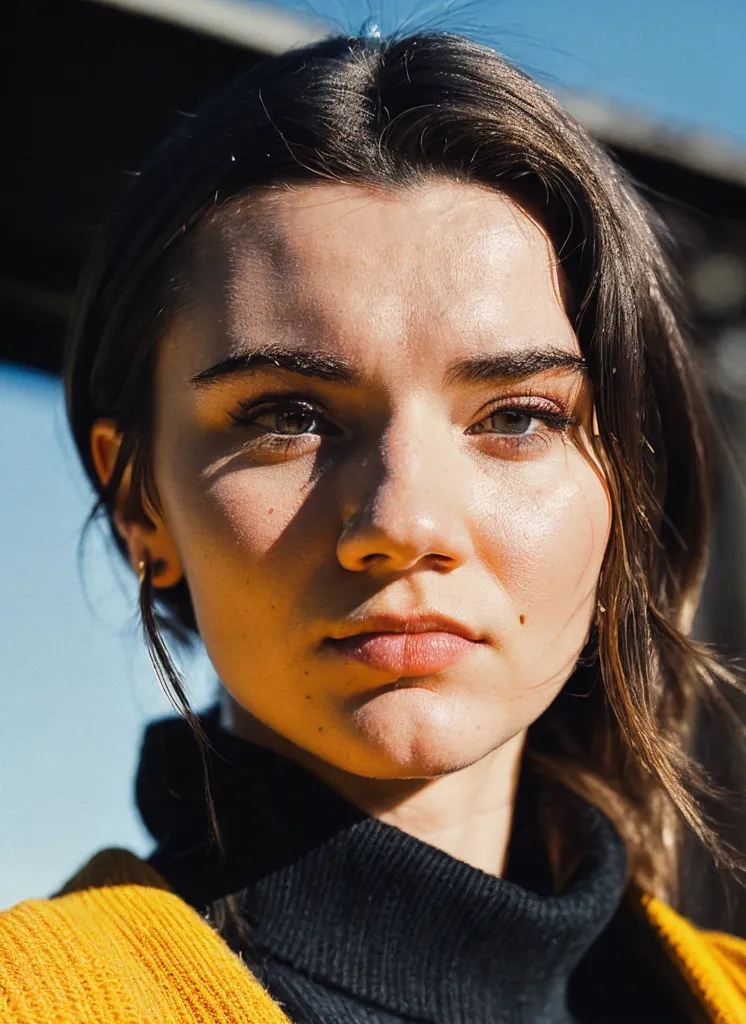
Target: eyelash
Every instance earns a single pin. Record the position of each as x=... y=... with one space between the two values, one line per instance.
x=249 y=412
x=537 y=409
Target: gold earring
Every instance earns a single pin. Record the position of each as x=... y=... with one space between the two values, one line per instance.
x=145 y=566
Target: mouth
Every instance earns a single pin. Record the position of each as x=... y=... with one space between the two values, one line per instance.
x=420 y=646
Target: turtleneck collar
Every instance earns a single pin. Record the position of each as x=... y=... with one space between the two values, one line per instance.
x=359 y=904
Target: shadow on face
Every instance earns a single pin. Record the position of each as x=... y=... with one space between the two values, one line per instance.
x=370 y=451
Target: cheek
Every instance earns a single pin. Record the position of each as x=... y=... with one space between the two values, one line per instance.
x=235 y=511
x=245 y=512
x=237 y=530
x=547 y=540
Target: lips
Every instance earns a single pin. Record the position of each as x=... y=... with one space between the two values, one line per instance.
x=406 y=654
x=420 y=644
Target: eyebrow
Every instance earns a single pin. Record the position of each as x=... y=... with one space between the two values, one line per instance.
x=515 y=365
x=308 y=364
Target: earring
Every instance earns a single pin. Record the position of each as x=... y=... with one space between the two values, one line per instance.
x=145 y=568
x=142 y=570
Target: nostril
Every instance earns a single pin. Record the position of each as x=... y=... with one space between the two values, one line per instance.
x=442 y=563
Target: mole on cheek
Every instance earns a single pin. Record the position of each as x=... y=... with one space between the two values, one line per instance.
x=270 y=511
x=522 y=619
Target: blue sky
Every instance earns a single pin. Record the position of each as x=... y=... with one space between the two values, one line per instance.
x=75 y=686
x=678 y=60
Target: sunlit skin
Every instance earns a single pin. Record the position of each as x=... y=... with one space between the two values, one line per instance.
x=419 y=476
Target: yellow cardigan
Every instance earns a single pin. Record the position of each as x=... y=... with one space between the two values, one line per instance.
x=117 y=946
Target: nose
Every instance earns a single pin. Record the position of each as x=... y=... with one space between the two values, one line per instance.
x=409 y=509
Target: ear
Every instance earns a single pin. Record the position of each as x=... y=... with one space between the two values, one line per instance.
x=142 y=537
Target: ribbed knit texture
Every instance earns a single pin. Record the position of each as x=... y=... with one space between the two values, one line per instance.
x=416 y=932
x=119 y=946
x=122 y=949
x=712 y=964
x=118 y=953
x=353 y=920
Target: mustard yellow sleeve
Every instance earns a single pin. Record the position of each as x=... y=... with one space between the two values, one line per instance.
x=712 y=963
x=122 y=954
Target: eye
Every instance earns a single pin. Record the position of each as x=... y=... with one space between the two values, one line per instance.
x=291 y=418
x=517 y=421
x=286 y=418
x=506 y=421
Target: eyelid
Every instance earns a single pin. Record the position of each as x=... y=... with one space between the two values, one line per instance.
x=538 y=405
x=555 y=415
x=254 y=407
x=270 y=398
x=533 y=400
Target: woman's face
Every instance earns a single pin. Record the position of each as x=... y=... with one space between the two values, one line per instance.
x=367 y=456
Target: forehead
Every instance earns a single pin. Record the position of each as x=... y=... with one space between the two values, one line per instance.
x=454 y=266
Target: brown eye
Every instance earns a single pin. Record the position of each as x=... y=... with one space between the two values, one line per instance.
x=287 y=418
x=291 y=418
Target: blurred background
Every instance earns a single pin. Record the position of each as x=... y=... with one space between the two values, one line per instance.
x=90 y=87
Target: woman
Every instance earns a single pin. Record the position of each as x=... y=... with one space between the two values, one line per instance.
x=380 y=376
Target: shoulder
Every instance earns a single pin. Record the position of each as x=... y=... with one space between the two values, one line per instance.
x=117 y=944
x=712 y=964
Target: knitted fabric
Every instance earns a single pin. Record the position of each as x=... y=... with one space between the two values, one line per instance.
x=117 y=947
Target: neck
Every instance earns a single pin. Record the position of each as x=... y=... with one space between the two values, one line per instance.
x=467 y=813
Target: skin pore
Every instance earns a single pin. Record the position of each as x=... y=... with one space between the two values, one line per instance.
x=371 y=413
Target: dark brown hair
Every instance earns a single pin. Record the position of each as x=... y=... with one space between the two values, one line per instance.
x=390 y=114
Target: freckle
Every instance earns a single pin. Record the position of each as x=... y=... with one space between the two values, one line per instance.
x=522 y=619
x=270 y=511
x=321 y=728
x=308 y=696
x=306 y=672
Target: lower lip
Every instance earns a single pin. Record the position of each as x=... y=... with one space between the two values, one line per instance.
x=406 y=654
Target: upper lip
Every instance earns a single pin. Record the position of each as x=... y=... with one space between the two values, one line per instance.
x=422 y=622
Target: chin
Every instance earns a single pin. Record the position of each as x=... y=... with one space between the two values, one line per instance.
x=415 y=733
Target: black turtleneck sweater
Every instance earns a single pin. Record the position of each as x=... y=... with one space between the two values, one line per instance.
x=347 y=919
